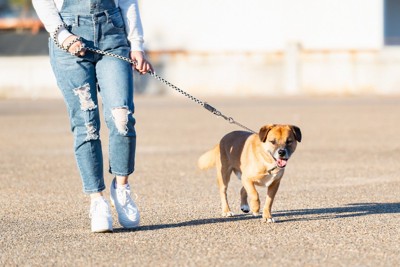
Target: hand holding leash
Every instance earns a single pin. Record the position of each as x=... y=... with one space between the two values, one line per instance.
x=74 y=45
x=142 y=65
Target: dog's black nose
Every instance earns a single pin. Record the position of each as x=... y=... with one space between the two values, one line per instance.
x=281 y=152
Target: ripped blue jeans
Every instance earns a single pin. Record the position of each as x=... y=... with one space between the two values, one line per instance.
x=80 y=78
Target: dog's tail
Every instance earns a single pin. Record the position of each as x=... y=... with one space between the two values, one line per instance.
x=207 y=160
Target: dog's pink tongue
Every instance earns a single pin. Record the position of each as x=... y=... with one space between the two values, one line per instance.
x=281 y=163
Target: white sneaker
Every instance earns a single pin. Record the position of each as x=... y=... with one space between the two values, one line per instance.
x=101 y=216
x=128 y=213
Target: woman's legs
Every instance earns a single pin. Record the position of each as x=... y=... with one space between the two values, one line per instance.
x=115 y=79
x=77 y=80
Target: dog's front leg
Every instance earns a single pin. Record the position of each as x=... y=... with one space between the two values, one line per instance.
x=272 y=189
x=244 y=205
x=253 y=195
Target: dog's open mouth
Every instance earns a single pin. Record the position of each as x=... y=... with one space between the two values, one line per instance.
x=281 y=163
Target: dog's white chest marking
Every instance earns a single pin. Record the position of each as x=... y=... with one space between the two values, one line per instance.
x=270 y=178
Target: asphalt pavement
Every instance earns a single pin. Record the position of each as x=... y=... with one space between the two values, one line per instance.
x=338 y=204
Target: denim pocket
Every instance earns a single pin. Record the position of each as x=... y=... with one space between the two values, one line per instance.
x=68 y=19
x=117 y=20
x=70 y=23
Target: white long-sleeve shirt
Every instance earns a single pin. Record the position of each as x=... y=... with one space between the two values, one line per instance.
x=48 y=12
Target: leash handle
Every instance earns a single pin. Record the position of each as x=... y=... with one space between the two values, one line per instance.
x=194 y=99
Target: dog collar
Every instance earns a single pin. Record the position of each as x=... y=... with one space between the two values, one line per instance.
x=273 y=169
x=263 y=155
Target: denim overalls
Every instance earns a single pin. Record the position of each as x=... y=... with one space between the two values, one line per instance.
x=100 y=24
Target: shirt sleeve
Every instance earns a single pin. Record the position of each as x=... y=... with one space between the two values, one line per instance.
x=133 y=23
x=48 y=13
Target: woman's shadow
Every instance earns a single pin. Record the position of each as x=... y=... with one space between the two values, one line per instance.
x=350 y=210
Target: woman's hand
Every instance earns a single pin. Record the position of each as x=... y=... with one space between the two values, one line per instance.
x=76 y=48
x=142 y=65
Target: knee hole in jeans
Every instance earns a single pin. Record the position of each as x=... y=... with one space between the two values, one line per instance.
x=85 y=97
x=91 y=132
x=120 y=117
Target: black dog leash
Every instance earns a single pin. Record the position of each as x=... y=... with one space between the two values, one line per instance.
x=196 y=100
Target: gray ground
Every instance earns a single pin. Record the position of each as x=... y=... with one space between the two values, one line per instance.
x=338 y=205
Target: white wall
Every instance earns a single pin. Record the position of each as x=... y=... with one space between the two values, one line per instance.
x=262 y=25
x=269 y=46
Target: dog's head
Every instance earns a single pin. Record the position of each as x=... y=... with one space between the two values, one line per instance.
x=280 y=141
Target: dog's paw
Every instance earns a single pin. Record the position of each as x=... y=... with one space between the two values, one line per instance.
x=245 y=208
x=269 y=220
x=228 y=214
x=255 y=214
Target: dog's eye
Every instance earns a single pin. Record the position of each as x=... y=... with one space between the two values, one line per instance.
x=272 y=141
x=289 y=142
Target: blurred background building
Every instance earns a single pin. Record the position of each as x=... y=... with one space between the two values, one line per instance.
x=235 y=47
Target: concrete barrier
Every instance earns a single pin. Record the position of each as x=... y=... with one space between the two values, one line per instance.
x=27 y=77
x=295 y=71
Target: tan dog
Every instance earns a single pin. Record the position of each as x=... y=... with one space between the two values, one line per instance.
x=257 y=159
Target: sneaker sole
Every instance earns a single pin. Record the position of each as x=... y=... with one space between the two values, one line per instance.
x=102 y=231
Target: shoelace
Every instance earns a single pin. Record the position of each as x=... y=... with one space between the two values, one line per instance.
x=123 y=195
x=124 y=198
x=99 y=208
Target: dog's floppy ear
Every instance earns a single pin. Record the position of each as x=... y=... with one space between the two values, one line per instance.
x=297 y=133
x=264 y=132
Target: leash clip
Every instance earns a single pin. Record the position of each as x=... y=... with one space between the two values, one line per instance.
x=209 y=108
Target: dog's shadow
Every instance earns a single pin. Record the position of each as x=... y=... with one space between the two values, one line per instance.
x=350 y=210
